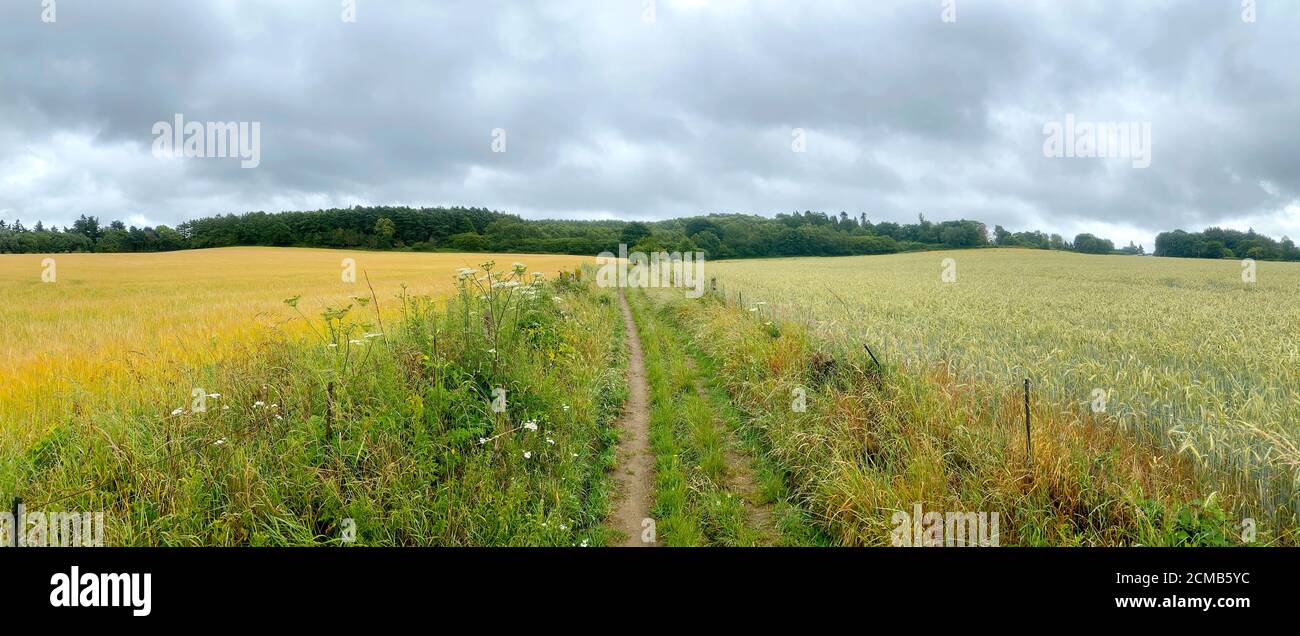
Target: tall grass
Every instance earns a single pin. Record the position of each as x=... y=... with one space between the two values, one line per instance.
x=388 y=430
x=872 y=442
x=1188 y=357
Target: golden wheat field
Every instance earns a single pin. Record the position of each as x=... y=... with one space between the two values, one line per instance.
x=104 y=324
x=1183 y=353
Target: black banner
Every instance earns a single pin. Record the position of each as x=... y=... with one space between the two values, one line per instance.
x=326 y=584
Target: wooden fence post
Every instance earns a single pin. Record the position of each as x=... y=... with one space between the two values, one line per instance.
x=880 y=372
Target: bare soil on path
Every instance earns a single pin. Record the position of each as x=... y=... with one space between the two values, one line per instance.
x=635 y=472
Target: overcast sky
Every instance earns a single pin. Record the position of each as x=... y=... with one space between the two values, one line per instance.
x=612 y=109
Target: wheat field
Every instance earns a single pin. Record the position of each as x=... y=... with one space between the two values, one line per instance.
x=91 y=331
x=1184 y=354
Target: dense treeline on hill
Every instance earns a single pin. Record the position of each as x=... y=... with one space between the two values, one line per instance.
x=1220 y=243
x=480 y=230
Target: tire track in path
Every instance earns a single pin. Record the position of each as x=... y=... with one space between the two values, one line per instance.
x=741 y=477
x=635 y=472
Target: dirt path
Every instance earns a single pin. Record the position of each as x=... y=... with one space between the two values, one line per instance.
x=635 y=461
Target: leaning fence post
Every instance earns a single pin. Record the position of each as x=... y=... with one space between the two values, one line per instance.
x=880 y=373
x=18 y=523
x=1029 y=447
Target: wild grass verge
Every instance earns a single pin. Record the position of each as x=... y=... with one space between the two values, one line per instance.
x=375 y=434
x=867 y=443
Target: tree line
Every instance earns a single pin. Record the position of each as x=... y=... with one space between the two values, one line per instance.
x=1220 y=243
x=461 y=229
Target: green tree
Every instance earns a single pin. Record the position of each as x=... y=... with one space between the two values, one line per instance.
x=1089 y=244
x=384 y=232
x=87 y=226
x=468 y=242
x=633 y=233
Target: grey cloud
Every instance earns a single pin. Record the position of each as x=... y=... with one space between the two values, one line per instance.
x=609 y=116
